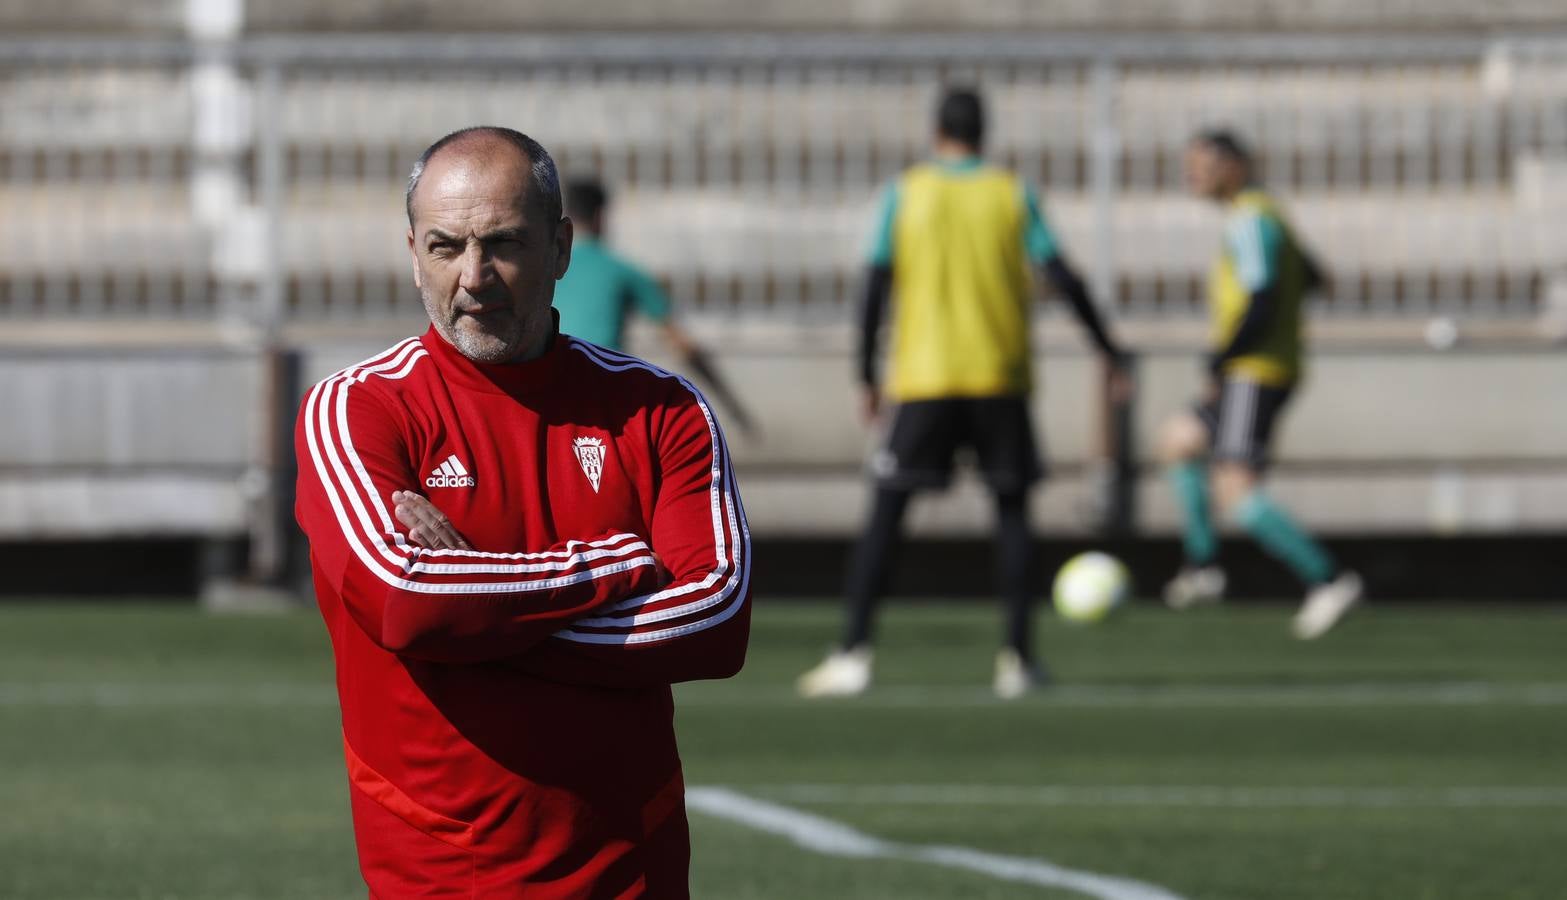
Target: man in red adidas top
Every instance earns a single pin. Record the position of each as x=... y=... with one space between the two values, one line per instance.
x=519 y=541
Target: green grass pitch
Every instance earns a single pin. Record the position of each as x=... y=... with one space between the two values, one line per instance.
x=1420 y=752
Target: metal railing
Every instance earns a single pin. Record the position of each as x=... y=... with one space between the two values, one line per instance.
x=260 y=179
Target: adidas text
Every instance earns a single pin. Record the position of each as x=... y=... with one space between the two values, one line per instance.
x=451 y=473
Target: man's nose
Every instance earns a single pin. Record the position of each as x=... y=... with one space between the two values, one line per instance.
x=476 y=268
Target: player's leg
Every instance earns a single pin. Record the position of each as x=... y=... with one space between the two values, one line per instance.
x=1267 y=522
x=1002 y=433
x=1183 y=445
x=871 y=562
x=1017 y=671
x=847 y=669
x=1248 y=415
x=918 y=454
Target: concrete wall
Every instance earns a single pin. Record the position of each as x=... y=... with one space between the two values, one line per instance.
x=112 y=443
x=1379 y=440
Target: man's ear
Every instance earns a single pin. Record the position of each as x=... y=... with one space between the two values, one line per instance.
x=413 y=255
x=564 y=232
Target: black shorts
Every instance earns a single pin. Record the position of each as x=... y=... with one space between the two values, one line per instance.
x=1240 y=423
x=926 y=436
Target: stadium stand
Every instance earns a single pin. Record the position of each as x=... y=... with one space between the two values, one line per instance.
x=747 y=185
x=165 y=16
x=200 y=195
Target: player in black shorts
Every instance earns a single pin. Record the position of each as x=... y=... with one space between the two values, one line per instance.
x=1256 y=295
x=1238 y=417
x=957 y=245
x=926 y=435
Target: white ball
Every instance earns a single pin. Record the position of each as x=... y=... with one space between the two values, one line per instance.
x=1441 y=333
x=1090 y=586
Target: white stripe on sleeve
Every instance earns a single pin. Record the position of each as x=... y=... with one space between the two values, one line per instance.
x=392 y=562
x=708 y=598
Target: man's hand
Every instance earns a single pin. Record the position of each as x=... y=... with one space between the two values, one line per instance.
x=427 y=526
x=870 y=404
x=1213 y=389
x=1119 y=381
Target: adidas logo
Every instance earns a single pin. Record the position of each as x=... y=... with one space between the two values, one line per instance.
x=450 y=474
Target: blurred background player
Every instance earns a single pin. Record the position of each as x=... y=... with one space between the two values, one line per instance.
x=602 y=290
x=956 y=239
x=1256 y=296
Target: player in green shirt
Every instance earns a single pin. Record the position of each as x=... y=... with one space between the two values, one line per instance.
x=602 y=290
x=1256 y=296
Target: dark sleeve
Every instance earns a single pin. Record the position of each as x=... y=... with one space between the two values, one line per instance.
x=1316 y=278
x=646 y=295
x=1070 y=286
x=1260 y=310
x=873 y=307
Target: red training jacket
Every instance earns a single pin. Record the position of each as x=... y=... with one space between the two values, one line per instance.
x=507 y=717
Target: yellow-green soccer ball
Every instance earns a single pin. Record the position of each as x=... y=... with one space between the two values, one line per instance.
x=1090 y=586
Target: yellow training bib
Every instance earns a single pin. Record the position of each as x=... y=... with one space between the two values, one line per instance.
x=962 y=285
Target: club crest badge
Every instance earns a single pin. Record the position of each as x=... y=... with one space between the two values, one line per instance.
x=590 y=456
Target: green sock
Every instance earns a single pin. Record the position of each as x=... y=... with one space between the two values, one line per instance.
x=1281 y=536
x=1190 y=480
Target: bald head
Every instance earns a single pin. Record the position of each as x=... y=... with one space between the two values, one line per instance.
x=488 y=242
x=487 y=146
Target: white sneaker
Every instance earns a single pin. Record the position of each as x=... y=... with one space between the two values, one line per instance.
x=844 y=673
x=1014 y=676
x=1195 y=586
x=1326 y=604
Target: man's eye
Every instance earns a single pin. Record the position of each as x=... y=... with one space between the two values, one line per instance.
x=442 y=250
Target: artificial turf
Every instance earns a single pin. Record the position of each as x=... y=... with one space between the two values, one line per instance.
x=154 y=751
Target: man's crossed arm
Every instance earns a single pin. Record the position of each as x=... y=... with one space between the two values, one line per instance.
x=605 y=610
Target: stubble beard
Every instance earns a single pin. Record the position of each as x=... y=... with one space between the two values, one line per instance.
x=499 y=340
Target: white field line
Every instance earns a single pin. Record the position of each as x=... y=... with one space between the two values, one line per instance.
x=1455 y=693
x=1173 y=796
x=824 y=836
x=1360 y=694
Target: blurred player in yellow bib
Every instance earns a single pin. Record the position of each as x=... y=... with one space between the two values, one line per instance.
x=1256 y=296
x=955 y=250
